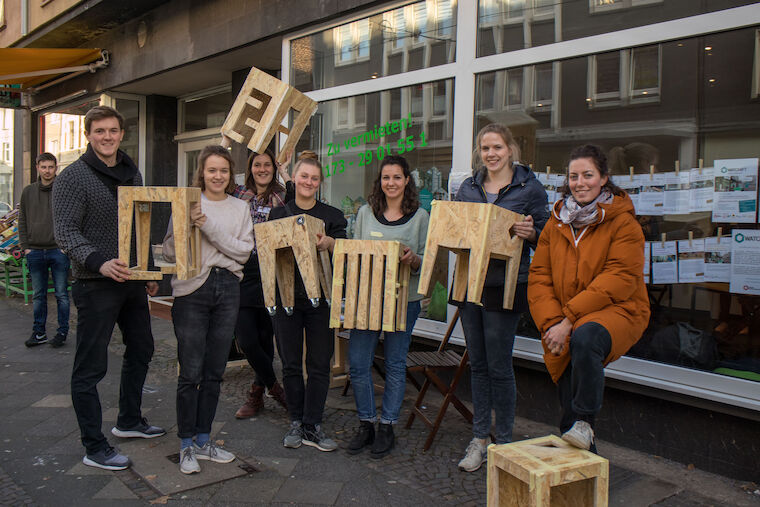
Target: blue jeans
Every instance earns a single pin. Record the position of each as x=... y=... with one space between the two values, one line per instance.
x=204 y=323
x=39 y=261
x=490 y=336
x=361 y=353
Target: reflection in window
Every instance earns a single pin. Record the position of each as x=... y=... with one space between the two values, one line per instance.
x=609 y=5
x=514 y=83
x=352 y=41
x=205 y=110
x=623 y=77
x=542 y=90
x=508 y=25
x=645 y=71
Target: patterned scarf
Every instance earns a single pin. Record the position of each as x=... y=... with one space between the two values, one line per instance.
x=580 y=216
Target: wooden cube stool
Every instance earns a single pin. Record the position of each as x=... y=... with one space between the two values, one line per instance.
x=476 y=233
x=380 y=300
x=260 y=107
x=281 y=242
x=546 y=471
x=187 y=238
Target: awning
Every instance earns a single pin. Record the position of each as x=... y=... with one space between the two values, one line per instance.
x=29 y=67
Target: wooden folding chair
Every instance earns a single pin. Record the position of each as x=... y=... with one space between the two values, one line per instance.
x=430 y=364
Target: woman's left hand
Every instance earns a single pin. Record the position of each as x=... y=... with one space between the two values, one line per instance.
x=325 y=242
x=556 y=336
x=282 y=169
x=525 y=229
x=411 y=258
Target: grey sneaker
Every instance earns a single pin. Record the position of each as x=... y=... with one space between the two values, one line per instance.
x=210 y=451
x=188 y=464
x=580 y=435
x=107 y=459
x=141 y=430
x=294 y=437
x=316 y=438
x=475 y=455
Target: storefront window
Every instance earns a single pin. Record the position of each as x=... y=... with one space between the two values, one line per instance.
x=509 y=25
x=351 y=151
x=62 y=133
x=411 y=37
x=6 y=160
x=678 y=121
x=206 y=110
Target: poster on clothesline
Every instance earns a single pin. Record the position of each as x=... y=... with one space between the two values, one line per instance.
x=664 y=262
x=632 y=185
x=691 y=261
x=735 y=197
x=551 y=191
x=701 y=184
x=718 y=259
x=676 y=199
x=652 y=194
x=745 y=259
x=647 y=260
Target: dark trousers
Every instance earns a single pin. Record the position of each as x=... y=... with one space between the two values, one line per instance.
x=490 y=336
x=204 y=322
x=255 y=336
x=39 y=263
x=305 y=402
x=581 y=386
x=101 y=304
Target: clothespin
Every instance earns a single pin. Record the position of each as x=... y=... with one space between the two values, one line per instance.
x=663 y=237
x=720 y=233
x=691 y=239
x=630 y=171
x=531 y=166
x=701 y=165
x=548 y=170
x=678 y=167
x=651 y=172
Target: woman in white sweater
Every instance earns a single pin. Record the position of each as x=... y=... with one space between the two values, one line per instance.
x=206 y=306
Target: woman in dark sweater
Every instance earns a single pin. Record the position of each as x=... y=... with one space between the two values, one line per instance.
x=307 y=402
x=253 y=330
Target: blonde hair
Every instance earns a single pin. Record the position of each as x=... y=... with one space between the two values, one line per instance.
x=308 y=157
x=506 y=135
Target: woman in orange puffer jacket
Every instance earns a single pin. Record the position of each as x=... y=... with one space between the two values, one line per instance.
x=586 y=288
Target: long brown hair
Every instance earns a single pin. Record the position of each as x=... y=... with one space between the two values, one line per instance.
x=273 y=187
x=219 y=151
x=411 y=200
x=506 y=135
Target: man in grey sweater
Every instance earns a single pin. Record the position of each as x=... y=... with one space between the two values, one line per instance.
x=35 y=234
x=85 y=212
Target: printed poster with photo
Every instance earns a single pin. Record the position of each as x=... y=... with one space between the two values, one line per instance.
x=745 y=259
x=735 y=197
x=632 y=186
x=718 y=259
x=701 y=184
x=691 y=261
x=664 y=262
x=652 y=195
x=676 y=200
x=547 y=181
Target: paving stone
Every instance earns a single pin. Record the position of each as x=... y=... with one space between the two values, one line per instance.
x=248 y=490
x=114 y=490
x=283 y=466
x=302 y=491
x=54 y=401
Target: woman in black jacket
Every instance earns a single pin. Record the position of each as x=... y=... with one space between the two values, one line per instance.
x=489 y=329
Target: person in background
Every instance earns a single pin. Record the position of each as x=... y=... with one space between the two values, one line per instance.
x=306 y=403
x=586 y=289
x=85 y=218
x=253 y=331
x=206 y=306
x=489 y=329
x=393 y=214
x=36 y=238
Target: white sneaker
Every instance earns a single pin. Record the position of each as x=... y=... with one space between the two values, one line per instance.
x=580 y=435
x=188 y=464
x=475 y=455
x=212 y=452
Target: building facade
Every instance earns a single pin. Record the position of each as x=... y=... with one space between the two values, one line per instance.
x=666 y=87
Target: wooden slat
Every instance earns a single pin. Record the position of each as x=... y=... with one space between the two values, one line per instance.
x=362 y=308
x=352 y=279
x=376 y=299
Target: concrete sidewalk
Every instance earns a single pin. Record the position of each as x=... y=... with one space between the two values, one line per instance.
x=41 y=453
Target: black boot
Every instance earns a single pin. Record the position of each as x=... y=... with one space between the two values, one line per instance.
x=363 y=437
x=384 y=441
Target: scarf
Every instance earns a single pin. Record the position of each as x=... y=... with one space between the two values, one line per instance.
x=580 y=216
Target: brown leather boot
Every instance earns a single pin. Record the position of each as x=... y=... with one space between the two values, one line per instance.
x=253 y=404
x=278 y=393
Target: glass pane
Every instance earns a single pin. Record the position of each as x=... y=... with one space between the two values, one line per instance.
x=130 y=109
x=514 y=87
x=707 y=110
x=191 y=163
x=206 y=112
x=509 y=25
x=6 y=160
x=351 y=156
x=63 y=133
x=410 y=37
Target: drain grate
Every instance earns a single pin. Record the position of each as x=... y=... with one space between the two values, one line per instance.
x=174 y=458
x=248 y=468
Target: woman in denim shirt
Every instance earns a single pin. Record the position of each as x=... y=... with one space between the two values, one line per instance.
x=489 y=329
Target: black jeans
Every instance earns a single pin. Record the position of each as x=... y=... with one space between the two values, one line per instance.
x=255 y=336
x=581 y=386
x=102 y=303
x=204 y=322
x=305 y=403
